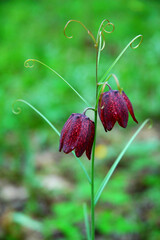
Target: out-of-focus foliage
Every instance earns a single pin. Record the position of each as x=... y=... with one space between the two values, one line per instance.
x=30 y=164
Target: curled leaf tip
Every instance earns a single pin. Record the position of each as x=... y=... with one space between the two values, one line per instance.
x=108 y=24
x=65 y=29
x=133 y=40
x=102 y=27
x=102 y=30
x=18 y=109
x=73 y=20
x=29 y=63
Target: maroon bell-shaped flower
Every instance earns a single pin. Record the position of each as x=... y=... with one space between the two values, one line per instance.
x=77 y=133
x=114 y=106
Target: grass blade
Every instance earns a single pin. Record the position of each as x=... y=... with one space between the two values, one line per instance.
x=109 y=174
x=86 y=220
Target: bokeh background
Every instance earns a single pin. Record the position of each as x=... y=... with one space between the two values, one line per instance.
x=42 y=191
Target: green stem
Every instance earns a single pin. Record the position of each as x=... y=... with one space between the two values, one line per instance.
x=93 y=154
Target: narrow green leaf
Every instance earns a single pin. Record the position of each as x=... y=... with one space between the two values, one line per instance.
x=52 y=126
x=109 y=174
x=86 y=220
x=83 y=167
x=19 y=110
x=26 y=64
x=120 y=55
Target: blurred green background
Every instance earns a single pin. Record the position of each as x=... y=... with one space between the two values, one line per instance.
x=41 y=190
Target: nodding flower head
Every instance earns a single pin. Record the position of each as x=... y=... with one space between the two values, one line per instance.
x=114 y=106
x=77 y=133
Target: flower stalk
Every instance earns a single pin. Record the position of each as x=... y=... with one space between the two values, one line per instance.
x=99 y=45
x=93 y=159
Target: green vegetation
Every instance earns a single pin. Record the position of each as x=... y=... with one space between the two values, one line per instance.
x=42 y=191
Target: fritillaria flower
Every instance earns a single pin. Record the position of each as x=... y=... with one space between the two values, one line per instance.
x=114 y=106
x=77 y=133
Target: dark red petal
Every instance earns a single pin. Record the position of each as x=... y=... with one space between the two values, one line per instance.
x=64 y=131
x=101 y=111
x=90 y=139
x=81 y=144
x=73 y=133
x=110 y=114
x=129 y=106
x=121 y=109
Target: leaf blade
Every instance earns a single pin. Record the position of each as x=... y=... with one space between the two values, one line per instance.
x=53 y=127
x=110 y=172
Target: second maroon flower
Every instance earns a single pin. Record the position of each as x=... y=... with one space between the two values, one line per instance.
x=113 y=107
